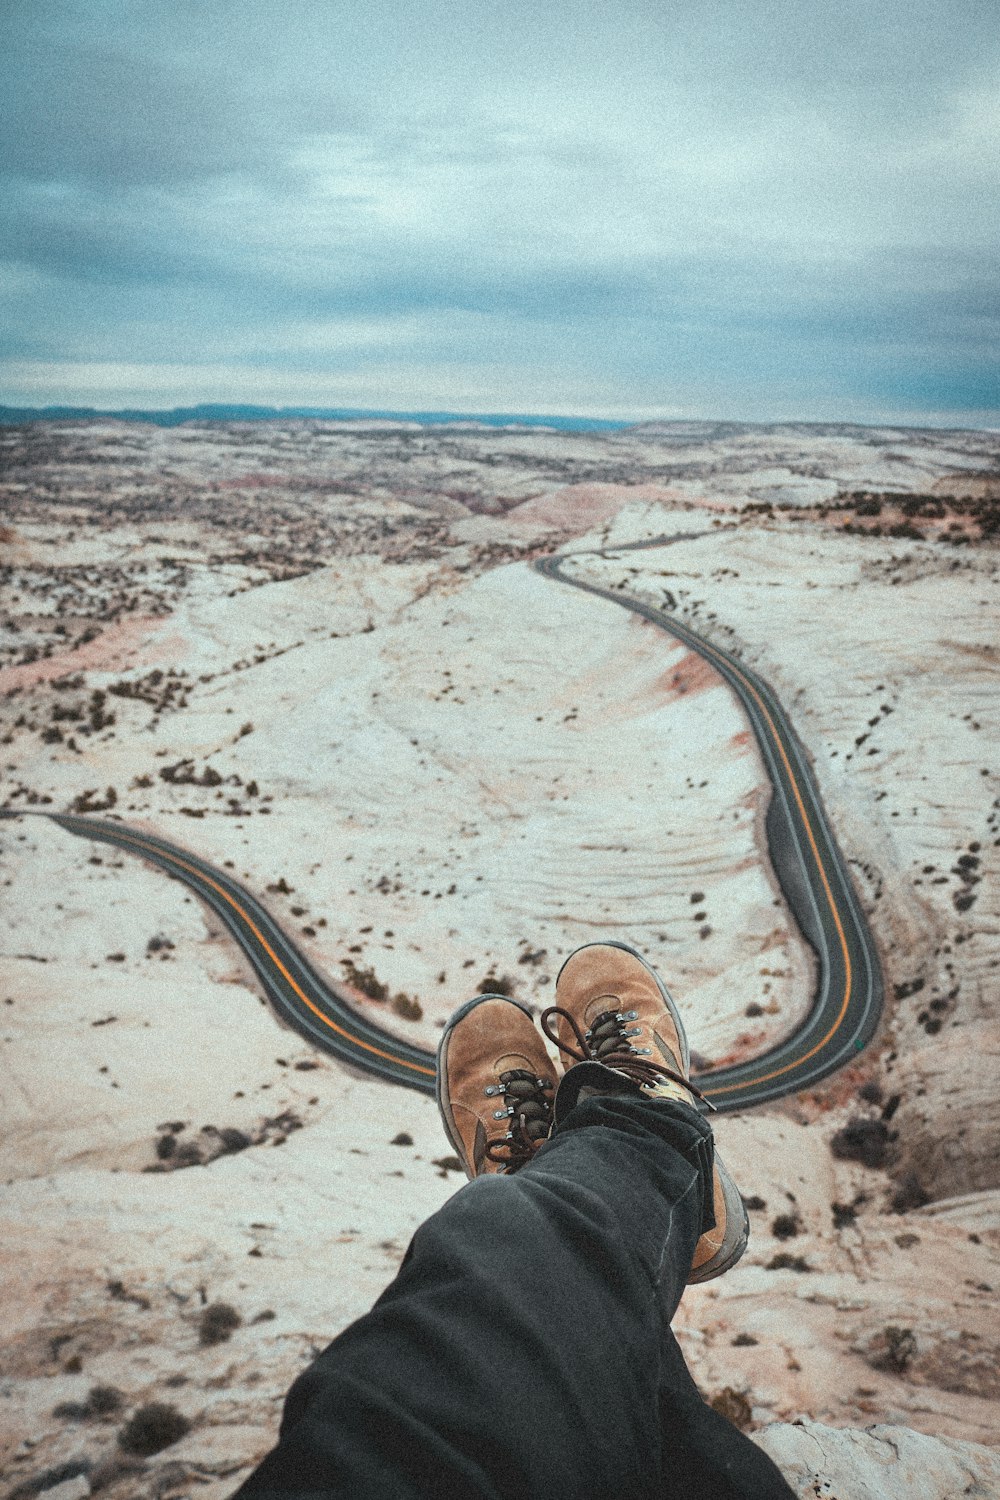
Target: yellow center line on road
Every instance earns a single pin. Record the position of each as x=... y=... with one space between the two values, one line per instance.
x=192 y=869
x=848 y=970
x=702 y=646
x=730 y=1088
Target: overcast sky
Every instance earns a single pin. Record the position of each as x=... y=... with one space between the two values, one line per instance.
x=758 y=209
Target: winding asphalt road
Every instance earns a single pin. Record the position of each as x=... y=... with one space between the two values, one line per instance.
x=809 y=867
x=804 y=853
x=309 y=1001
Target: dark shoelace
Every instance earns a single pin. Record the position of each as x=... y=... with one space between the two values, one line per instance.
x=607 y=1042
x=529 y=1106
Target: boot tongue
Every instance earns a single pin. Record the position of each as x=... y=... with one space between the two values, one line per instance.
x=602 y=1005
x=513 y=1062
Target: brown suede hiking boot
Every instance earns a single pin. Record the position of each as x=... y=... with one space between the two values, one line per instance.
x=613 y=1009
x=495 y=1085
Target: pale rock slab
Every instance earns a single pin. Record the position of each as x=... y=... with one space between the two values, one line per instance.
x=879 y=1463
x=546 y=768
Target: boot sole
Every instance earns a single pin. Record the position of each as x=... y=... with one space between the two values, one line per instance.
x=442 y=1053
x=736 y=1240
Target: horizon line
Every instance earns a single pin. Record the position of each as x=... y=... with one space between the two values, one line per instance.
x=235 y=411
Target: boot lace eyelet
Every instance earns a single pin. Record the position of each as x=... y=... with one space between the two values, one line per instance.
x=530 y=1115
x=607 y=1042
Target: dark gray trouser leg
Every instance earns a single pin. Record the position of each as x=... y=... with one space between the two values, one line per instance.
x=524 y=1348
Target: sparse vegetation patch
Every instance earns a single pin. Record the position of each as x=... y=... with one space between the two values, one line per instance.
x=153 y=1428
x=218 y=1322
x=862 y=1140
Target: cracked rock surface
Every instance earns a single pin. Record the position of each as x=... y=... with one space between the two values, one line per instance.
x=879 y=1463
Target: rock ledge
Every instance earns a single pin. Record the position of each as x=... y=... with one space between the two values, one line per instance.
x=878 y=1463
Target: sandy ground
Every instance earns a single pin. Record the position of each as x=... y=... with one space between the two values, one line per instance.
x=462 y=770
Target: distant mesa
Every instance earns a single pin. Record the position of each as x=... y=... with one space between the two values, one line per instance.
x=673 y=430
x=13 y=416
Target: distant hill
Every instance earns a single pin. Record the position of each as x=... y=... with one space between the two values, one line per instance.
x=11 y=416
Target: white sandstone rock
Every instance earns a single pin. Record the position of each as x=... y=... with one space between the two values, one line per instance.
x=879 y=1463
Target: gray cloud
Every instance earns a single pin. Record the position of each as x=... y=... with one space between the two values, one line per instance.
x=628 y=197
x=91 y=114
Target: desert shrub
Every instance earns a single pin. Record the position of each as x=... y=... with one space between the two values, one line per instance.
x=496 y=984
x=71 y=1411
x=734 y=1406
x=91 y=801
x=410 y=1010
x=785 y=1227
x=102 y=1400
x=861 y=1140
x=365 y=980
x=152 y=1428
x=233 y=1139
x=907 y=531
x=785 y=1262
x=894 y=1350
x=217 y=1323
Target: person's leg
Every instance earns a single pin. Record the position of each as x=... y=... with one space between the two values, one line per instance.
x=524 y=1347
x=612 y=1009
x=616 y=1017
x=707 y=1456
